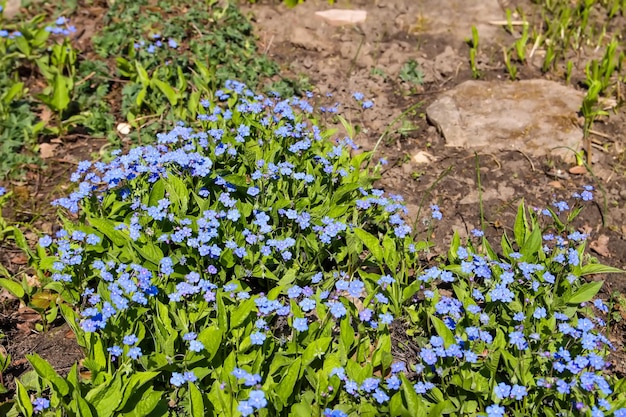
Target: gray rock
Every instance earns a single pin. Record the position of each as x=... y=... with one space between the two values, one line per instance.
x=534 y=116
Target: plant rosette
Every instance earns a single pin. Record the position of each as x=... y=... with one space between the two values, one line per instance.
x=246 y=264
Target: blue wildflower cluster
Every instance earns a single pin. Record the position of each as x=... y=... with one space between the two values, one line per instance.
x=249 y=243
x=61 y=27
x=156 y=42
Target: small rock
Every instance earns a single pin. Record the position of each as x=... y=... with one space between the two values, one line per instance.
x=339 y=17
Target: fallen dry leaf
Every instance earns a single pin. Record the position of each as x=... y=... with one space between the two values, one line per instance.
x=342 y=17
x=601 y=246
x=555 y=184
x=47 y=150
x=20 y=259
x=578 y=170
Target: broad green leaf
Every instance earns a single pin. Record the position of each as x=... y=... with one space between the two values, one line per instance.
x=107 y=227
x=239 y=315
x=83 y=406
x=371 y=242
x=532 y=245
x=61 y=95
x=106 y=397
x=23 y=399
x=390 y=253
x=147 y=403
x=168 y=91
x=287 y=384
x=134 y=384
x=443 y=331
x=211 y=338
x=317 y=348
x=591 y=269
x=13 y=287
x=47 y=373
x=347 y=333
x=144 y=79
x=413 y=401
x=97 y=350
x=396 y=407
x=586 y=292
x=195 y=400
x=149 y=251
x=157 y=193
x=178 y=192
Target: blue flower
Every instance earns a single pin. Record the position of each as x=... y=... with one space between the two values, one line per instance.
x=502 y=390
x=257 y=338
x=540 y=313
x=428 y=356
x=134 y=353
x=40 y=404
x=45 y=241
x=130 y=340
x=245 y=408
x=177 y=379
x=196 y=346
x=300 y=324
x=517 y=339
x=380 y=396
x=257 y=399
x=495 y=410
x=337 y=309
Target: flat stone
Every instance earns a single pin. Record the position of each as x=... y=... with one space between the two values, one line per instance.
x=533 y=116
x=339 y=17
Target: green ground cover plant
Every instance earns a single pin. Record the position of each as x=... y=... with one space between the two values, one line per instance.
x=165 y=57
x=245 y=264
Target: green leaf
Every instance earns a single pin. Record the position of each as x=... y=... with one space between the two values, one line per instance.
x=105 y=398
x=532 y=244
x=146 y=405
x=521 y=225
x=107 y=227
x=413 y=401
x=12 y=287
x=586 y=292
x=195 y=400
x=316 y=349
x=241 y=313
x=347 y=333
x=48 y=374
x=157 y=193
x=149 y=251
x=443 y=331
x=166 y=90
x=61 y=95
x=287 y=384
x=591 y=269
x=178 y=193
x=211 y=338
x=371 y=242
x=23 y=399
x=134 y=384
x=142 y=74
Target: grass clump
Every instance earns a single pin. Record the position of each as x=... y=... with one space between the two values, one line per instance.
x=246 y=264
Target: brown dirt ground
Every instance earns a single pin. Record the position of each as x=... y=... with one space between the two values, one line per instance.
x=339 y=60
